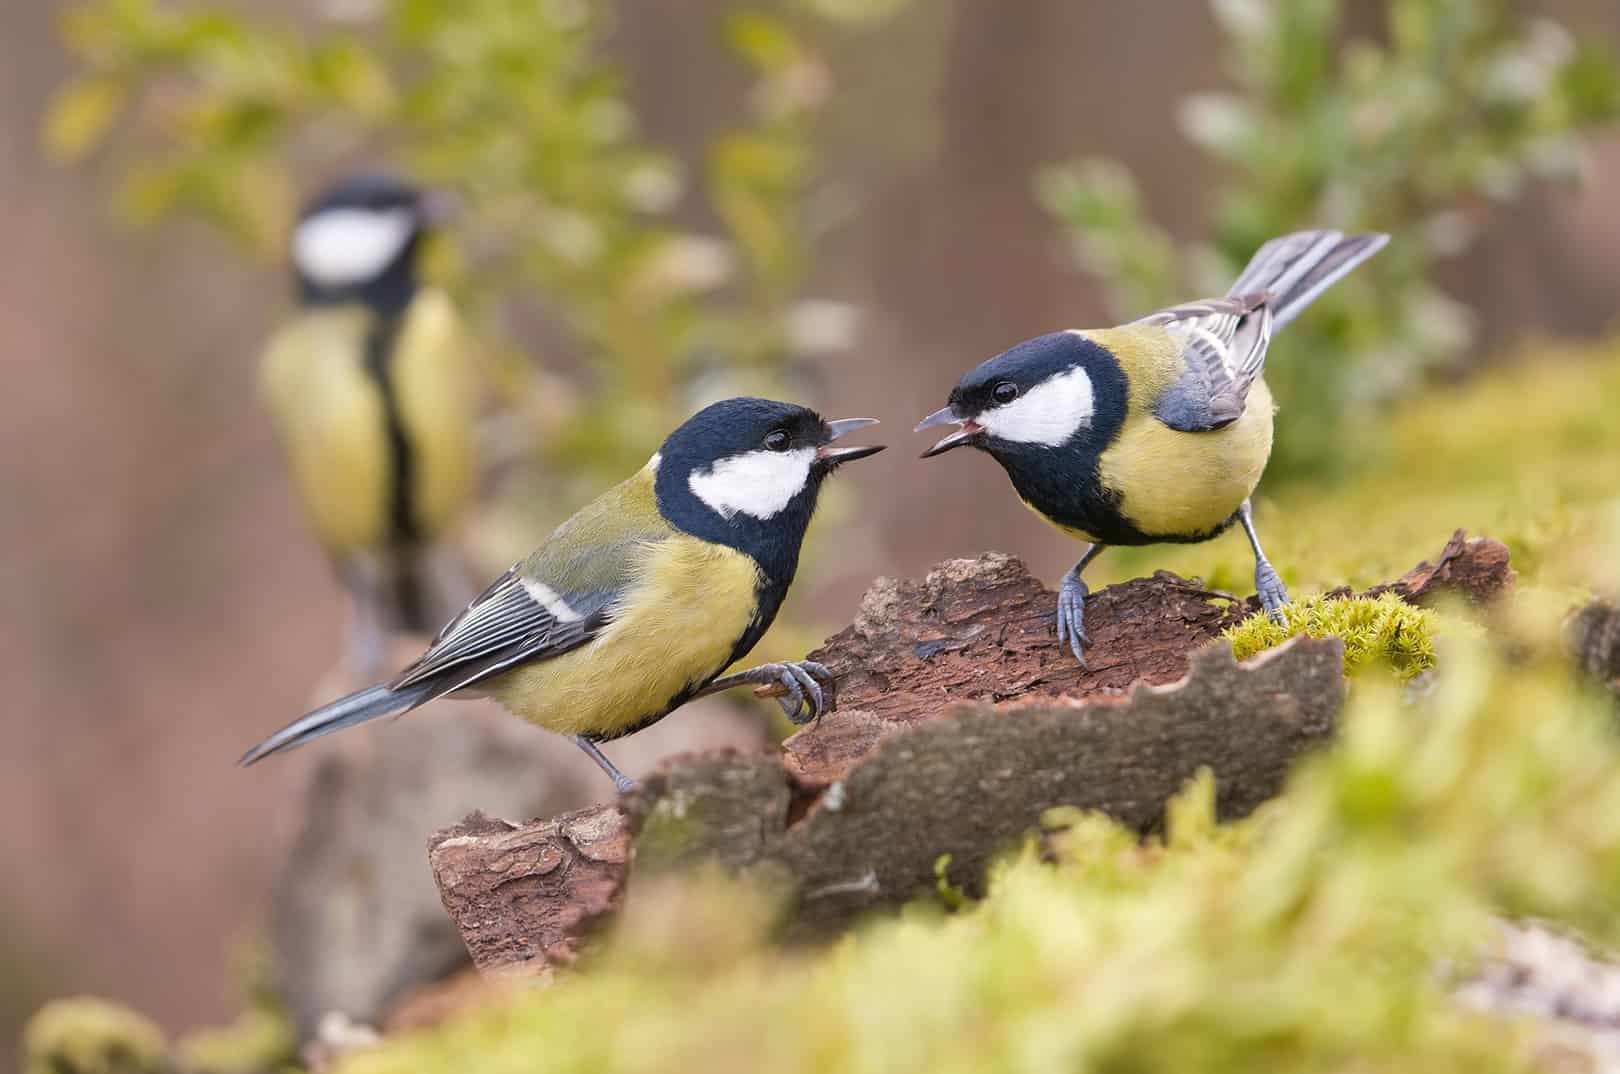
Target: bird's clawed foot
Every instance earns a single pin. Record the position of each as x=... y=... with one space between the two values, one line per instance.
x=806 y=697
x=804 y=684
x=1071 y=616
x=1273 y=594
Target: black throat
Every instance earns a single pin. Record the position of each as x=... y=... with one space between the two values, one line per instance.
x=381 y=347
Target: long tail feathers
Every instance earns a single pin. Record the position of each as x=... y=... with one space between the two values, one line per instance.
x=357 y=708
x=1295 y=269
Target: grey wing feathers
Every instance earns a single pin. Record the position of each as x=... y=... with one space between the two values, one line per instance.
x=507 y=625
x=1223 y=344
x=1224 y=340
x=503 y=626
x=1294 y=270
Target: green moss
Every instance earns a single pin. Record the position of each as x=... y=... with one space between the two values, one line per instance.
x=259 y=1040
x=85 y=1035
x=1305 y=938
x=1384 y=630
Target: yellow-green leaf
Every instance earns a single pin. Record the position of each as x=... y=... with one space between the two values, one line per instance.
x=762 y=40
x=80 y=115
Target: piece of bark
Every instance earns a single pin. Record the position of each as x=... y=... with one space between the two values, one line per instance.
x=984 y=630
x=1592 y=636
x=526 y=897
x=1474 y=568
x=960 y=720
x=1564 y=992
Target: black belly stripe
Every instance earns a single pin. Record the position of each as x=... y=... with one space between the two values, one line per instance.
x=380 y=342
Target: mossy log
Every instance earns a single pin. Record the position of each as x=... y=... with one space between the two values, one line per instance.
x=959 y=721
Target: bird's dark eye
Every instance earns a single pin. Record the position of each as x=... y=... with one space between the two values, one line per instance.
x=1005 y=392
x=778 y=441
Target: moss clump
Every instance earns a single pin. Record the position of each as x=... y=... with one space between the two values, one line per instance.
x=1384 y=630
x=85 y=1035
x=1305 y=938
x=260 y=1039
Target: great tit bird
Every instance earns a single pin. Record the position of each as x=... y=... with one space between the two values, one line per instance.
x=371 y=392
x=636 y=604
x=1156 y=431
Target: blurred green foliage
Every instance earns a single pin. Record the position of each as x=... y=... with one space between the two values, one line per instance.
x=1463 y=102
x=512 y=104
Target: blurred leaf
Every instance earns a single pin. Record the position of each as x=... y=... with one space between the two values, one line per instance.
x=764 y=41
x=351 y=77
x=80 y=116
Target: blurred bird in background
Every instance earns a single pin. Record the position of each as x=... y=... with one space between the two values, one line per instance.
x=637 y=603
x=1154 y=432
x=371 y=390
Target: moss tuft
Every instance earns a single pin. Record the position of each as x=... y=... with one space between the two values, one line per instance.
x=259 y=1039
x=85 y=1035
x=1382 y=630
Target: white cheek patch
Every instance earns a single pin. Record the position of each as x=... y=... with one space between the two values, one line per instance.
x=758 y=483
x=549 y=599
x=1048 y=413
x=340 y=247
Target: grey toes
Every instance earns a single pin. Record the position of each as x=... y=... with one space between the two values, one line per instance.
x=813 y=699
x=1271 y=591
x=1071 y=618
x=793 y=702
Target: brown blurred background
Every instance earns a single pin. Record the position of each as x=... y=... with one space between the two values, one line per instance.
x=163 y=606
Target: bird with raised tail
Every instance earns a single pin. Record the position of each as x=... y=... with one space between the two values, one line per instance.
x=1156 y=431
x=641 y=600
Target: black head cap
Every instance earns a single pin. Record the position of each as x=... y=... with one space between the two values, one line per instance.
x=357 y=240
x=746 y=473
x=1045 y=391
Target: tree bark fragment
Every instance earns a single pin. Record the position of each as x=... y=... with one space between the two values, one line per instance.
x=960 y=720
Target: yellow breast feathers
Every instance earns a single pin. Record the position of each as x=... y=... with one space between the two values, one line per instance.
x=329 y=412
x=1178 y=484
x=690 y=603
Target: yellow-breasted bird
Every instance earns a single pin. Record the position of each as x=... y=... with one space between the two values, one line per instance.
x=637 y=603
x=1153 y=432
x=372 y=393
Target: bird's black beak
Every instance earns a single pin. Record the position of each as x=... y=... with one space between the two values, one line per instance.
x=828 y=455
x=969 y=432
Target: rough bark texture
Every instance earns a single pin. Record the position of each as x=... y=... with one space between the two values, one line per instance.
x=1593 y=637
x=525 y=896
x=1476 y=569
x=960 y=720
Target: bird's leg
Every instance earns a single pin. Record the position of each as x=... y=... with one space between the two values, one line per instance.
x=1071 y=609
x=1273 y=594
x=805 y=699
x=621 y=782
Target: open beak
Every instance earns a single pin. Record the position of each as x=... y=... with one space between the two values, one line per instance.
x=826 y=453
x=969 y=431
